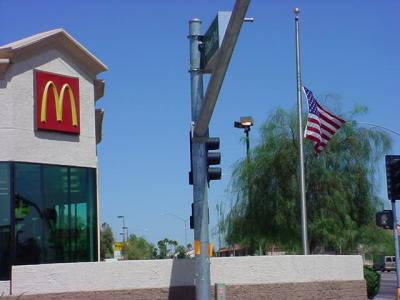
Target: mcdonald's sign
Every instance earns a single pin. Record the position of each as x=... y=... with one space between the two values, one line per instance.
x=57 y=102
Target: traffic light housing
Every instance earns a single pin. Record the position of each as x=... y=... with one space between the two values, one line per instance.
x=191 y=160
x=213 y=158
x=384 y=219
x=393 y=176
x=192 y=218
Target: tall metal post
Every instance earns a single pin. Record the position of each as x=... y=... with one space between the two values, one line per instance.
x=396 y=247
x=300 y=135
x=246 y=130
x=201 y=239
x=123 y=227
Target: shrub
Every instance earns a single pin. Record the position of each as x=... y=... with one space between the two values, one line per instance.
x=373 y=280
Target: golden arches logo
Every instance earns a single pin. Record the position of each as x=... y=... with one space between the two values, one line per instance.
x=58 y=103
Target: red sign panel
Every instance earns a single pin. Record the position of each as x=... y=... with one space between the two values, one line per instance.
x=57 y=102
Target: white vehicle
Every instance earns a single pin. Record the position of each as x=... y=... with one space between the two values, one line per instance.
x=389 y=264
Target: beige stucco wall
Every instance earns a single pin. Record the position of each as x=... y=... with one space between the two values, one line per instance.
x=20 y=141
x=154 y=274
x=4 y=288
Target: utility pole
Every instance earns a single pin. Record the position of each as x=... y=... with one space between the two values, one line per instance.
x=123 y=227
x=202 y=109
x=396 y=248
x=202 y=262
x=393 y=187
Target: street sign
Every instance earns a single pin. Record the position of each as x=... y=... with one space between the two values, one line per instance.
x=118 y=246
x=212 y=40
x=222 y=58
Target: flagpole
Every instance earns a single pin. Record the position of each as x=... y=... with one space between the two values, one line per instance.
x=300 y=134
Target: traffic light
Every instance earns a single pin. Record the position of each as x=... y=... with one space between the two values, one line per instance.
x=213 y=158
x=393 y=176
x=191 y=160
x=192 y=218
x=384 y=219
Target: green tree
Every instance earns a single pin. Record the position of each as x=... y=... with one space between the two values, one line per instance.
x=168 y=248
x=220 y=229
x=341 y=189
x=138 y=248
x=106 y=241
x=180 y=251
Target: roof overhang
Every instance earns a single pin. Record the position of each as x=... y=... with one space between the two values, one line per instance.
x=4 y=64
x=57 y=38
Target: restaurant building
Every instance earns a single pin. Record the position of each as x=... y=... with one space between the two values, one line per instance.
x=49 y=131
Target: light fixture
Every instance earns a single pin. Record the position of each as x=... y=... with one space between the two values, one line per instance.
x=245 y=122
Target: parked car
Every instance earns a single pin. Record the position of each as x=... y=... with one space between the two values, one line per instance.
x=388 y=263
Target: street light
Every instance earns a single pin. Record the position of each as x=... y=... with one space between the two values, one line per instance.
x=126 y=230
x=245 y=123
x=183 y=220
x=123 y=227
x=380 y=127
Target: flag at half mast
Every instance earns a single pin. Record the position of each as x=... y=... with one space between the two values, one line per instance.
x=321 y=124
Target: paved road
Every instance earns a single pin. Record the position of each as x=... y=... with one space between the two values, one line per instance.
x=388 y=286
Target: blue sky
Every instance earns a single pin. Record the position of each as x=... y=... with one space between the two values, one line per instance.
x=349 y=49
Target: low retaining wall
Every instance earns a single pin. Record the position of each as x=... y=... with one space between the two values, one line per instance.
x=250 y=277
x=4 y=288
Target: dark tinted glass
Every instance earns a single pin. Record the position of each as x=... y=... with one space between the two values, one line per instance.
x=4 y=221
x=55 y=214
x=29 y=219
x=83 y=214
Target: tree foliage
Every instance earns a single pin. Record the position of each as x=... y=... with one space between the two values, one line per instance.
x=166 y=248
x=341 y=189
x=138 y=248
x=171 y=249
x=106 y=241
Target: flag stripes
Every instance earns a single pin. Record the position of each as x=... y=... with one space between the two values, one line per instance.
x=321 y=124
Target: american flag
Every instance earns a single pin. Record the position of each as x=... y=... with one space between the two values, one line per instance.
x=321 y=124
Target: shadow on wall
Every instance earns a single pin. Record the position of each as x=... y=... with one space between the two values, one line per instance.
x=181 y=286
x=48 y=135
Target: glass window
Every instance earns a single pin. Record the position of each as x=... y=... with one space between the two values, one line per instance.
x=55 y=214
x=29 y=218
x=56 y=198
x=4 y=221
x=83 y=210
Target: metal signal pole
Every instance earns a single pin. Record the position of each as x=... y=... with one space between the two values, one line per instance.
x=202 y=109
x=396 y=247
x=200 y=201
x=300 y=134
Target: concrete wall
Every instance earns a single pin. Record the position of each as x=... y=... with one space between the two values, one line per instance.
x=20 y=141
x=4 y=288
x=251 y=275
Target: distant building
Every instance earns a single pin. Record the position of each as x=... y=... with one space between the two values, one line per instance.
x=235 y=250
x=49 y=129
